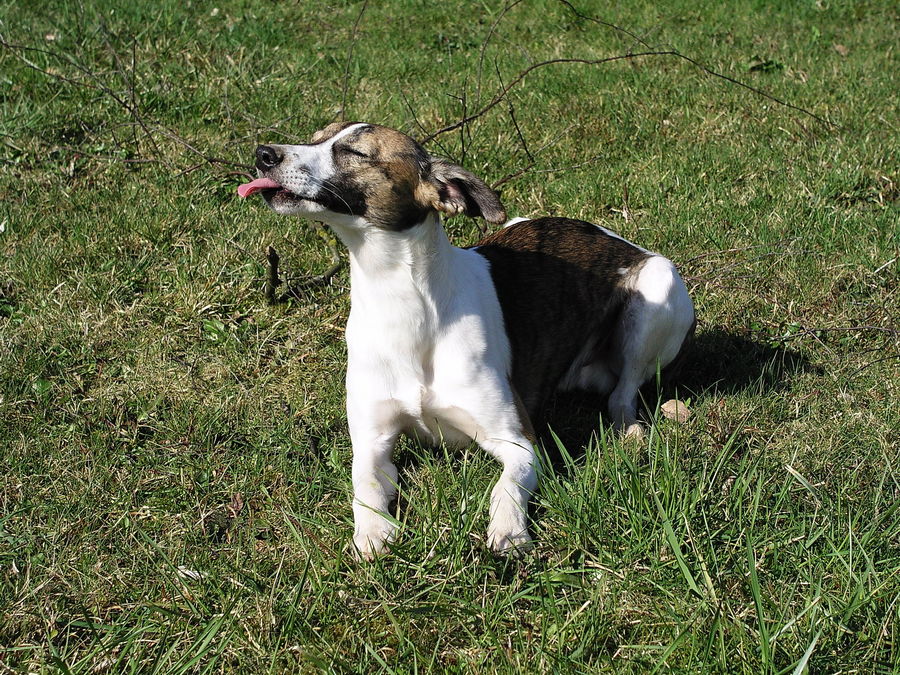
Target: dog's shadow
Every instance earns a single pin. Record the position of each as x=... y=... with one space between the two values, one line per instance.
x=717 y=363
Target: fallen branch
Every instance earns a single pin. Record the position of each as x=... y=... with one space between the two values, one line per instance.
x=272 y=280
x=649 y=51
x=620 y=57
x=353 y=36
x=524 y=73
x=92 y=81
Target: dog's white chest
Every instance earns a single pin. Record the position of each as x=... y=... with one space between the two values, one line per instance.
x=430 y=354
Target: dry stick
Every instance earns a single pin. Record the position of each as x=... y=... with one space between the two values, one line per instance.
x=510 y=176
x=412 y=112
x=484 y=45
x=138 y=120
x=740 y=249
x=720 y=272
x=209 y=159
x=872 y=363
x=606 y=24
x=349 y=58
x=521 y=76
x=272 y=280
x=697 y=64
x=836 y=329
x=99 y=86
x=121 y=70
x=512 y=116
x=462 y=132
x=620 y=57
x=418 y=122
x=518 y=172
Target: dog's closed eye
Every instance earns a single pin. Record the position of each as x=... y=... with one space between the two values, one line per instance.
x=347 y=150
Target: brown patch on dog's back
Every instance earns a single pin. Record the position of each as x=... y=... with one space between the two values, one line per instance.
x=540 y=269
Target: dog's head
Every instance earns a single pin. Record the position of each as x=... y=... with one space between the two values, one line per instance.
x=359 y=174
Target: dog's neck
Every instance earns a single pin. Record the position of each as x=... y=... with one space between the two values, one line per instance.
x=416 y=257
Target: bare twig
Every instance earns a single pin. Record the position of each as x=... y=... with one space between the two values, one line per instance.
x=510 y=176
x=484 y=45
x=92 y=81
x=418 y=122
x=346 y=84
x=272 y=280
x=524 y=73
x=209 y=159
x=641 y=41
x=872 y=363
x=739 y=249
x=885 y=266
x=606 y=24
x=95 y=83
x=512 y=116
x=531 y=165
x=620 y=57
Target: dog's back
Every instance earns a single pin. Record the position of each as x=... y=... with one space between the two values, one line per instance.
x=564 y=286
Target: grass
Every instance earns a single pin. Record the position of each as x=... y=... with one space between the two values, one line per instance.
x=174 y=461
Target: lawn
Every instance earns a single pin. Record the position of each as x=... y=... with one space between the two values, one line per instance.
x=174 y=457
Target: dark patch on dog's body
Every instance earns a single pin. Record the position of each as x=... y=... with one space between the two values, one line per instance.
x=543 y=268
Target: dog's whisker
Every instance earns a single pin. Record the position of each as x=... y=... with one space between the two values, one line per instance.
x=325 y=185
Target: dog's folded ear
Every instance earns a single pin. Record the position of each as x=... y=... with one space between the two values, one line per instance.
x=459 y=191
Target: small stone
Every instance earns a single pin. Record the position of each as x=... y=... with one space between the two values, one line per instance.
x=674 y=409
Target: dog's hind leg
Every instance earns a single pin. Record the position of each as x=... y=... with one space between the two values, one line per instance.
x=653 y=326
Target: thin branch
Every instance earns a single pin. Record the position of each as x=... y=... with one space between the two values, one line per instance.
x=523 y=74
x=272 y=280
x=872 y=363
x=418 y=122
x=620 y=57
x=93 y=82
x=697 y=64
x=606 y=24
x=512 y=116
x=758 y=92
x=346 y=83
x=484 y=45
x=207 y=158
x=530 y=166
x=510 y=176
x=740 y=249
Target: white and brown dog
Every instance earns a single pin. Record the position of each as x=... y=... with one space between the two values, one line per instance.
x=450 y=344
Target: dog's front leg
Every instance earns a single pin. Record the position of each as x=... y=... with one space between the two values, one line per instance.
x=508 y=526
x=374 y=485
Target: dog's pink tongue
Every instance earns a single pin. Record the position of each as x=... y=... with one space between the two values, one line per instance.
x=255 y=186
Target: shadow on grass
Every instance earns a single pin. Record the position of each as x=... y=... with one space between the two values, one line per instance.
x=717 y=363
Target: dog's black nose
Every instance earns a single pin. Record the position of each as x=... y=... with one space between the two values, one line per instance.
x=267 y=157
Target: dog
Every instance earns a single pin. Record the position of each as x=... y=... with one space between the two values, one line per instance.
x=453 y=345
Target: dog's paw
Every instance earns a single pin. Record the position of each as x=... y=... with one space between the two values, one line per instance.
x=509 y=543
x=508 y=537
x=633 y=431
x=373 y=538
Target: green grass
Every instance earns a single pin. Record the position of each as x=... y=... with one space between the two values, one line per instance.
x=174 y=460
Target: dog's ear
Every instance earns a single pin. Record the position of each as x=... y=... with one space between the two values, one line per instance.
x=459 y=191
